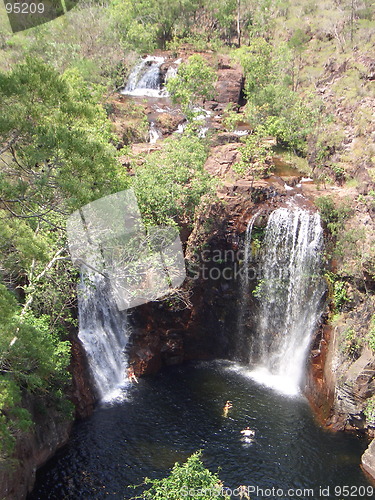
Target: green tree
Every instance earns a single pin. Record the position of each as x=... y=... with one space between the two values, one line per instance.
x=298 y=44
x=273 y=107
x=148 y=24
x=255 y=157
x=32 y=360
x=194 y=82
x=190 y=480
x=55 y=156
x=55 y=152
x=257 y=63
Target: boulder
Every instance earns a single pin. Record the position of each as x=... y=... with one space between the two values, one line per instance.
x=229 y=85
x=221 y=159
x=167 y=123
x=368 y=459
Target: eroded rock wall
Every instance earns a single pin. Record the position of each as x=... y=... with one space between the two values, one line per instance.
x=51 y=430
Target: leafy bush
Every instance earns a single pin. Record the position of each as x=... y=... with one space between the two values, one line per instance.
x=337 y=291
x=33 y=359
x=171 y=183
x=231 y=117
x=333 y=215
x=371 y=333
x=255 y=157
x=352 y=343
x=191 y=481
x=194 y=81
x=369 y=411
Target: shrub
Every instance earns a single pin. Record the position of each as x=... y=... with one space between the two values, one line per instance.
x=352 y=343
x=333 y=216
x=190 y=481
x=337 y=291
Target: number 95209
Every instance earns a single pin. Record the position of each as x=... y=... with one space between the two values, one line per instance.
x=24 y=8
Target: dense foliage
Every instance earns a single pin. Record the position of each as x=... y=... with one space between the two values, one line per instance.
x=170 y=184
x=193 y=82
x=190 y=480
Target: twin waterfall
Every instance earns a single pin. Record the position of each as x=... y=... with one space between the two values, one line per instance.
x=289 y=295
x=283 y=315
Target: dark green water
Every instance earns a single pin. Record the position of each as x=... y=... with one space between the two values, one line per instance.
x=165 y=418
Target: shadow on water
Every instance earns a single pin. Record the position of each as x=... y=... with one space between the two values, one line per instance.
x=166 y=418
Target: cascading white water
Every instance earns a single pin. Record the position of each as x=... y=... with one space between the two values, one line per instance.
x=144 y=80
x=290 y=295
x=154 y=133
x=103 y=332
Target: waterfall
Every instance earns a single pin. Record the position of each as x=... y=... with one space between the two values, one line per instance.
x=103 y=332
x=154 y=133
x=241 y=340
x=289 y=295
x=144 y=80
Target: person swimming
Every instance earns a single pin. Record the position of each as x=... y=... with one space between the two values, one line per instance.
x=228 y=405
x=248 y=433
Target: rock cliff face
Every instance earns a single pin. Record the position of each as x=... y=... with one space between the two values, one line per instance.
x=50 y=430
x=33 y=449
x=341 y=379
x=368 y=459
x=203 y=323
x=82 y=391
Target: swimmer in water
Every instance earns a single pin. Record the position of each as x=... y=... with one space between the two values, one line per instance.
x=248 y=433
x=228 y=405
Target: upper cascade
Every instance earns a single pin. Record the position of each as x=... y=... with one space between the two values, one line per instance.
x=146 y=80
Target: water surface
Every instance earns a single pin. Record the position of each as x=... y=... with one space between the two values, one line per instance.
x=167 y=417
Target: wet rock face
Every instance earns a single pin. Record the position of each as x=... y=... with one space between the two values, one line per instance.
x=166 y=334
x=319 y=388
x=33 y=449
x=356 y=385
x=82 y=393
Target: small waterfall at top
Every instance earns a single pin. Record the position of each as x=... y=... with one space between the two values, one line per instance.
x=103 y=332
x=144 y=80
x=290 y=297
